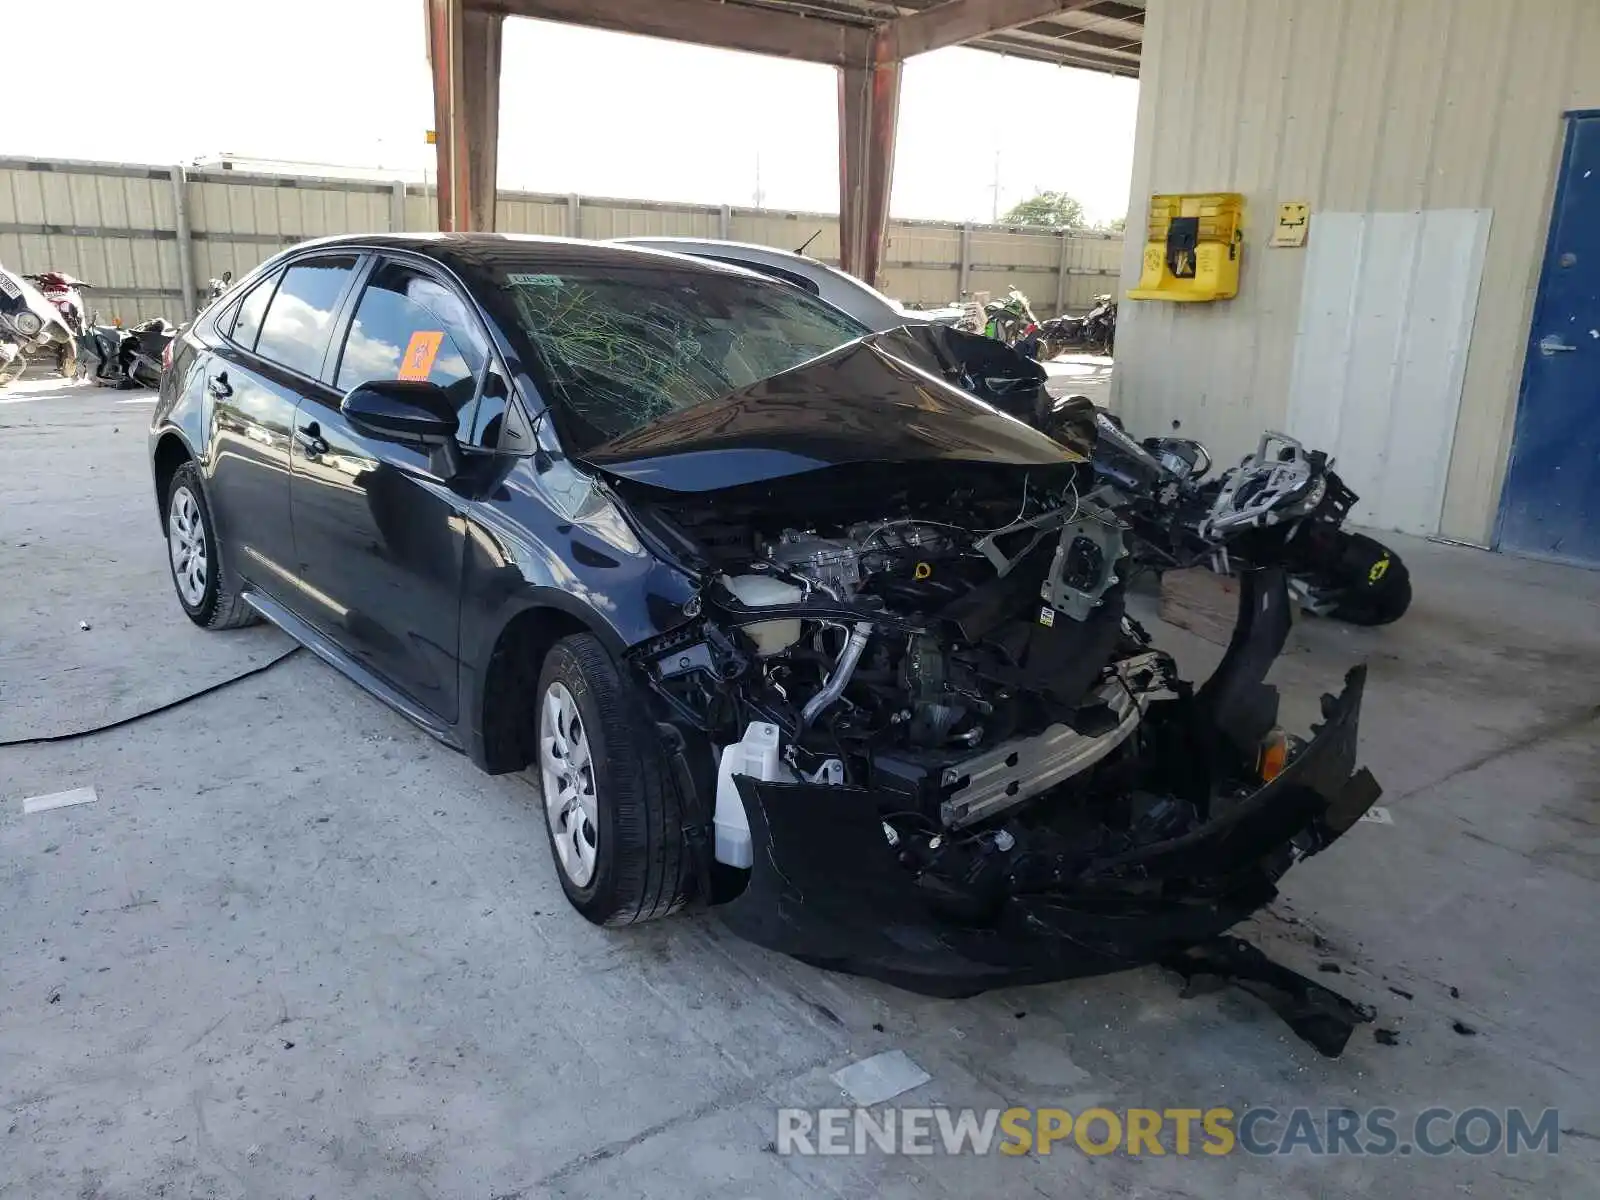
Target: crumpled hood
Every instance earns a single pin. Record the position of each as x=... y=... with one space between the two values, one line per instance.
x=886 y=398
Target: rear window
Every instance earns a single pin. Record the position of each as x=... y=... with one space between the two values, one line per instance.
x=295 y=331
x=247 y=322
x=623 y=347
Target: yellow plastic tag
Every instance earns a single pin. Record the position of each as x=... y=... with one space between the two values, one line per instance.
x=420 y=353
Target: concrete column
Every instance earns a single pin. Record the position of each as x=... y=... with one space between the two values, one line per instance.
x=185 y=248
x=574 y=216
x=869 y=105
x=724 y=222
x=397 y=206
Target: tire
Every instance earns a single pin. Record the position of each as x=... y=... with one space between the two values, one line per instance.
x=1377 y=586
x=210 y=595
x=631 y=827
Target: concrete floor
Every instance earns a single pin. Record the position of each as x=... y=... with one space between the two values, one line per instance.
x=298 y=949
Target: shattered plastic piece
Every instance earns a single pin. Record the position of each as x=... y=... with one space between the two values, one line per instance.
x=1386 y=1037
x=1378 y=815
x=84 y=626
x=881 y=1077
x=1320 y=1017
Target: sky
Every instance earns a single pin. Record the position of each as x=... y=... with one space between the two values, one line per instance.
x=346 y=82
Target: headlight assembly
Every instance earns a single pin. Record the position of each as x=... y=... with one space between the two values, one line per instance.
x=28 y=323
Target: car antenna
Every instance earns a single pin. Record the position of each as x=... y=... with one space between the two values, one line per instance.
x=809 y=240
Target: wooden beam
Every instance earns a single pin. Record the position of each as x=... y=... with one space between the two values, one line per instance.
x=446 y=58
x=869 y=108
x=958 y=21
x=706 y=23
x=481 y=92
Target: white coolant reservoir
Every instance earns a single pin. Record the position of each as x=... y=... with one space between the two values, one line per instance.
x=760 y=591
x=756 y=756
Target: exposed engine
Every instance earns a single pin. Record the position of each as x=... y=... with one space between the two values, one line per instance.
x=960 y=655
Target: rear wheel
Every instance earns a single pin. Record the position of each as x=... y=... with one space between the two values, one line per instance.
x=611 y=813
x=1375 y=585
x=209 y=597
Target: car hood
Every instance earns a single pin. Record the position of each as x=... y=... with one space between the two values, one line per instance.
x=885 y=398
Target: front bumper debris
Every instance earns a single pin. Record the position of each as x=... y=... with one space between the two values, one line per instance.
x=826 y=886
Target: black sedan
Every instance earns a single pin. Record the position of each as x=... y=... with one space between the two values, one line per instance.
x=781 y=614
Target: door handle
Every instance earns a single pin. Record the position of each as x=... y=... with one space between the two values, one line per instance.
x=219 y=387
x=1552 y=344
x=311 y=439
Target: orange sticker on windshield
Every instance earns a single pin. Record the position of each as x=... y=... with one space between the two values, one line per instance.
x=420 y=353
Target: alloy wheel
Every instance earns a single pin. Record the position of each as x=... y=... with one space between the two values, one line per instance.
x=567 y=775
x=186 y=543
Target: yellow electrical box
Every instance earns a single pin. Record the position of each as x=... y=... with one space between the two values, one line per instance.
x=1192 y=248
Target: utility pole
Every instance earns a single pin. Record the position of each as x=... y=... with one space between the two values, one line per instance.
x=994 y=209
x=760 y=195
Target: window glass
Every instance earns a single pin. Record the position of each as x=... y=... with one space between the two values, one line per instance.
x=626 y=346
x=247 y=323
x=295 y=331
x=410 y=326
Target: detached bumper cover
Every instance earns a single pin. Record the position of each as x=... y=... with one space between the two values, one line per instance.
x=825 y=886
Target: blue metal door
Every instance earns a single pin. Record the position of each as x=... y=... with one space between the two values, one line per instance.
x=1551 y=504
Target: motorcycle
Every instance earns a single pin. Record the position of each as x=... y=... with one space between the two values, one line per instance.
x=29 y=326
x=1095 y=331
x=66 y=294
x=1010 y=320
x=218 y=286
x=128 y=358
x=1282 y=506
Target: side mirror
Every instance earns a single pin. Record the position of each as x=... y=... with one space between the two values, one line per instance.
x=402 y=410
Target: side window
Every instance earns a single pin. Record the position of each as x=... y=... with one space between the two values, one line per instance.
x=247 y=319
x=410 y=326
x=295 y=331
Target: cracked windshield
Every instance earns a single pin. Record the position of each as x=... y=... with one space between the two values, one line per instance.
x=626 y=348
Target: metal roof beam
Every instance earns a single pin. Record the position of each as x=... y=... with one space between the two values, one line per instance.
x=958 y=21
x=706 y=23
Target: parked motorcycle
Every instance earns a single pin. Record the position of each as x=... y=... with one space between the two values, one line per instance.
x=66 y=294
x=30 y=326
x=1096 y=331
x=1281 y=506
x=1010 y=320
x=218 y=286
x=127 y=358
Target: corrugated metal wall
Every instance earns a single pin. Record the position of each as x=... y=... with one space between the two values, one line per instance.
x=1354 y=106
x=116 y=226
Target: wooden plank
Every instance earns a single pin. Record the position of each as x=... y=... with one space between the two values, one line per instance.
x=1201 y=601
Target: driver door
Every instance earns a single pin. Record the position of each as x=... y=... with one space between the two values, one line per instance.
x=378 y=537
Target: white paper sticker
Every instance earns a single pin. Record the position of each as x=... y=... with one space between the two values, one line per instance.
x=881 y=1077
x=83 y=795
x=1047 y=617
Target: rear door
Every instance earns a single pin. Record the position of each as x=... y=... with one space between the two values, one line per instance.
x=270 y=354
x=378 y=537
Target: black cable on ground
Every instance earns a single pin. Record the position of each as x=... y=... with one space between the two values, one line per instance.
x=160 y=708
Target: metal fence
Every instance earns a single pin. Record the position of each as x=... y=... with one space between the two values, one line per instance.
x=148 y=236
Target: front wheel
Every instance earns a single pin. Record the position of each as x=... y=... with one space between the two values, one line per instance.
x=612 y=814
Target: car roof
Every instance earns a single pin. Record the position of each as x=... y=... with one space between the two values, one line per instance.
x=474 y=251
x=686 y=245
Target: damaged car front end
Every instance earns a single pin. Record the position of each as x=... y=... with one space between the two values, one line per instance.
x=918 y=735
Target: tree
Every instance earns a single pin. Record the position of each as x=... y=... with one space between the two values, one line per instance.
x=1052 y=210
x=1116 y=225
